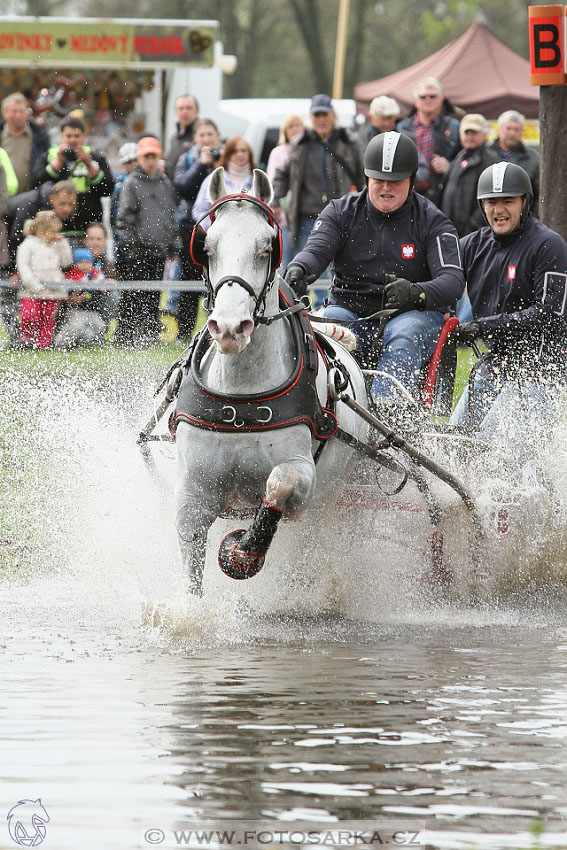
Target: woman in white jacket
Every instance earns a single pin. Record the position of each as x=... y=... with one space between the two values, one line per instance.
x=40 y=260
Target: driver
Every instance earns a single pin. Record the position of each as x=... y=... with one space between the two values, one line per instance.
x=386 y=229
x=516 y=273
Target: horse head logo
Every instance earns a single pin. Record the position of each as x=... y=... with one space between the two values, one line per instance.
x=26 y=823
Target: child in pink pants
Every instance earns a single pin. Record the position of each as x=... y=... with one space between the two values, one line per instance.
x=40 y=260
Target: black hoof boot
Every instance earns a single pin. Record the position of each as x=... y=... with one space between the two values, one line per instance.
x=242 y=553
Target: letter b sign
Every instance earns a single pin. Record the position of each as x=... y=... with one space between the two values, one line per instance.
x=547 y=45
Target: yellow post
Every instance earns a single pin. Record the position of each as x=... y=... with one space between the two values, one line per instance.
x=342 y=27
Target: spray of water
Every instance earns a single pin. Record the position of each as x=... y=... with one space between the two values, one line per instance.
x=89 y=535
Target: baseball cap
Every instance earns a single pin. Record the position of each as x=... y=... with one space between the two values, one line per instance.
x=81 y=255
x=320 y=103
x=473 y=121
x=128 y=152
x=149 y=144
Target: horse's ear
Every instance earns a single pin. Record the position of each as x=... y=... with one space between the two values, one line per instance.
x=217 y=189
x=261 y=186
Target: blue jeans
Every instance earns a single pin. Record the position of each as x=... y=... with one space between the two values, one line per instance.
x=464 y=309
x=505 y=411
x=304 y=228
x=408 y=343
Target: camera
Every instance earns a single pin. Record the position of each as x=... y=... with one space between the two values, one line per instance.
x=216 y=153
x=69 y=154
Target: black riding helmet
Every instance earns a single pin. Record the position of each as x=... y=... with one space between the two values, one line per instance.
x=505 y=180
x=391 y=156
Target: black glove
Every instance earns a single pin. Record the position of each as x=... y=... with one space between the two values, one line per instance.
x=296 y=277
x=467 y=332
x=404 y=295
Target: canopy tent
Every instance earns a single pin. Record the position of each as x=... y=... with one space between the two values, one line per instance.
x=478 y=72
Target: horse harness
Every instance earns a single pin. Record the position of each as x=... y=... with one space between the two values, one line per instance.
x=296 y=401
x=199 y=256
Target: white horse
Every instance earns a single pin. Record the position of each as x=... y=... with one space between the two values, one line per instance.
x=253 y=411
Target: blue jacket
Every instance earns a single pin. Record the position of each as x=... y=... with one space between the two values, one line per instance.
x=416 y=242
x=189 y=174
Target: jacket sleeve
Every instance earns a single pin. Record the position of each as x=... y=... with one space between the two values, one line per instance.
x=65 y=253
x=174 y=247
x=43 y=173
x=102 y=183
x=127 y=214
x=188 y=181
x=549 y=294
x=280 y=183
x=3 y=192
x=447 y=280
x=202 y=203
x=23 y=263
x=323 y=242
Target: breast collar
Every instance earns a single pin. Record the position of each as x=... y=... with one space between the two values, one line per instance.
x=296 y=401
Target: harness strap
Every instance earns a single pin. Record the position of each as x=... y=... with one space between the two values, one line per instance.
x=295 y=401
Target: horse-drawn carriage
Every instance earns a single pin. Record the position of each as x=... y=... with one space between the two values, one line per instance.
x=273 y=430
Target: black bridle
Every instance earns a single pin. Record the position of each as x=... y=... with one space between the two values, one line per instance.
x=259 y=299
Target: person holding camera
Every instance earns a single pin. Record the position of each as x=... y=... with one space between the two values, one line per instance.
x=73 y=160
x=192 y=167
x=238 y=163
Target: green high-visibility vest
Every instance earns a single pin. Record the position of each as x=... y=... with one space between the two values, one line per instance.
x=11 y=179
x=78 y=171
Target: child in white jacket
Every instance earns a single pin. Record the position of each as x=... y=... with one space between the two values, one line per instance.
x=40 y=260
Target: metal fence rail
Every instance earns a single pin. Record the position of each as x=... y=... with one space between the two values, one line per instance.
x=146 y=285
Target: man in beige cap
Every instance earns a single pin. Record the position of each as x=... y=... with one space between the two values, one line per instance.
x=459 y=195
x=383 y=113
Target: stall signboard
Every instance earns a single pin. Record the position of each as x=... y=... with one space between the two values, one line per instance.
x=547 y=45
x=110 y=42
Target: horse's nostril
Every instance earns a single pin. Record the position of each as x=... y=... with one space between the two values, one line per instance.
x=213 y=327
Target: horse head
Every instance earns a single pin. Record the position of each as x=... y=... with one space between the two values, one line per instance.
x=241 y=252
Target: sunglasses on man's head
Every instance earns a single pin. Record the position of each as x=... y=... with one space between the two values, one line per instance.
x=427 y=96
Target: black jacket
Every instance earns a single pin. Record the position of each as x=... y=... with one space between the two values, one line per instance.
x=180 y=142
x=89 y=190
x=459 y=201
x=416 y=242
x=338 y=168
x=517 y=285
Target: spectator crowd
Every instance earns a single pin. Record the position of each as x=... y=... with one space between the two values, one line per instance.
x=60 y=261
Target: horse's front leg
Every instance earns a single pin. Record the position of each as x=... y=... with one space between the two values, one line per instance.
x=200 y=498
x=193 y=523
x=289 y=486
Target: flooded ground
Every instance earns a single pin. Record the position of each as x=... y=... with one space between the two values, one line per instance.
x=440 y=726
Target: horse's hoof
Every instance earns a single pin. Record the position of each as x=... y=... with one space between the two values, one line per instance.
x=234 y=562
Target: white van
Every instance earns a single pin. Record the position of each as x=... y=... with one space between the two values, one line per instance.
x=258 y=120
